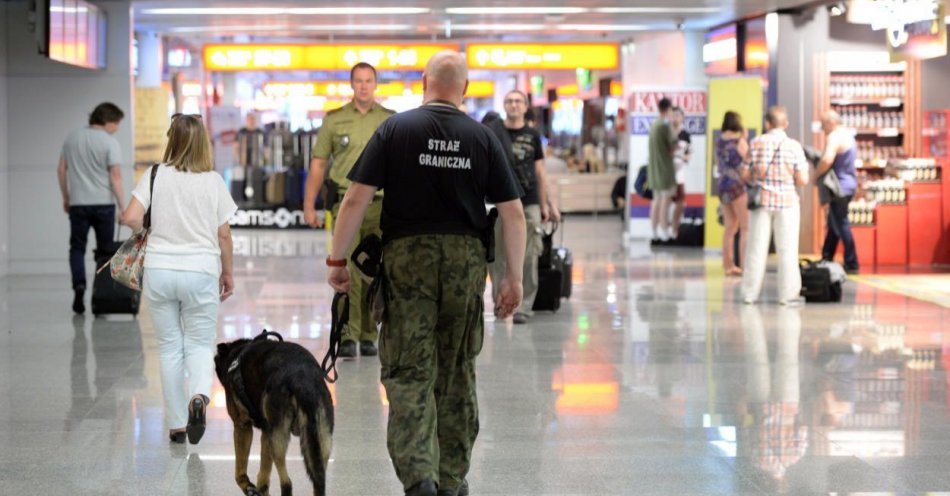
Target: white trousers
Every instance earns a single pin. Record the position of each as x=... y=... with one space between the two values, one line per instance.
x=184 y=309
x=762 y=224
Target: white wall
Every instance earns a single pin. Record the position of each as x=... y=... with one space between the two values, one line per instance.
x=50 y=100
x=4 y=164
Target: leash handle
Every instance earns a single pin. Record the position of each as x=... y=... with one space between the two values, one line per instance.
x=340 y=315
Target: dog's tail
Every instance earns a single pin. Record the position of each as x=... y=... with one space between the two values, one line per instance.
x=316 y=428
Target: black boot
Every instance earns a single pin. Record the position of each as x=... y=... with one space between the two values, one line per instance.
x=347 y=349
x=368 y=348
x=78 y=306
x=461 y=491
x=424 y=488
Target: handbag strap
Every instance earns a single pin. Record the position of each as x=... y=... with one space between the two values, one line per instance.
x=774 y=158
x=147 y=223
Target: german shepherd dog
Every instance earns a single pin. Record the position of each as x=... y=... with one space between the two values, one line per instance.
x=279 y=388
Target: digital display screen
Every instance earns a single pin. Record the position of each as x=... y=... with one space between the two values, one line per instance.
x=77 y=33
x=721 y=51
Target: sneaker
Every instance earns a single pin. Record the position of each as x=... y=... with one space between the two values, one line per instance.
x=520 y=318
x=78 y=306
x=347 y=349
x=793 y=302
x=368 y=348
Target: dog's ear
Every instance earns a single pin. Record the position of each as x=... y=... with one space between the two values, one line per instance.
x=223 y=349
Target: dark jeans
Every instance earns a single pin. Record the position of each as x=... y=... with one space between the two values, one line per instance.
x=100 y=218
x=839 y=228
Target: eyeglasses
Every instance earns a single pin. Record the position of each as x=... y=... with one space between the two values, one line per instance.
x=513 y=102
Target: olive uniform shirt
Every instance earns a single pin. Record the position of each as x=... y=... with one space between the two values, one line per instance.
x=343 y=136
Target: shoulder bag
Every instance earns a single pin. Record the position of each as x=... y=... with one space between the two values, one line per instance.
x=128 y=263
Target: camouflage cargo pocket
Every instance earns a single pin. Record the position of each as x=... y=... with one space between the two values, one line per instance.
x=475 y=329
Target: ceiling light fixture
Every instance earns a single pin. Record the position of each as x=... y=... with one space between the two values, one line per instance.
x=515 y=10
x=499 y=27
x=657 y=10
x=603 y=27
x=257 y=11
x=837 y=9
x=288 y=28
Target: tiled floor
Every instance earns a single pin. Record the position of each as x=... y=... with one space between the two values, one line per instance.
x=650 y=380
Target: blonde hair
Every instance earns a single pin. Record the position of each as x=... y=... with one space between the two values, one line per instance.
x=188 y=149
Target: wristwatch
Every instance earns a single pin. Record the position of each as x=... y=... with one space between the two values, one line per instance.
x=336 y=263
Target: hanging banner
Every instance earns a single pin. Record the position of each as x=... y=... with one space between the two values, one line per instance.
x=643 y=110
x=741 y=95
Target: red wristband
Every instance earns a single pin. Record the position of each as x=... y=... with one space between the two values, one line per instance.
x=336 y=263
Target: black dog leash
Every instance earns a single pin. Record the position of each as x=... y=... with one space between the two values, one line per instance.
x=340 y=315
x=237 y=380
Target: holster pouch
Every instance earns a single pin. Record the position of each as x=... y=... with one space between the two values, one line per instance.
x=368 y=256
x=488 y=237
x=332 y=194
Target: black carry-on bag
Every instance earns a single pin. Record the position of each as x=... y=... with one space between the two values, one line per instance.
x=553 y=274
x=108 y=295
x=818 y=285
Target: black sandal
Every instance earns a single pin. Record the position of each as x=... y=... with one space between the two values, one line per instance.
x=176 y=437
x=196 y=418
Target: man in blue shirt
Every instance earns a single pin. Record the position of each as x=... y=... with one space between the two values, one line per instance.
x=840 y=154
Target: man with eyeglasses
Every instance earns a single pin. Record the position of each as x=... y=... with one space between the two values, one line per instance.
x=526 y=155
x=342 y=137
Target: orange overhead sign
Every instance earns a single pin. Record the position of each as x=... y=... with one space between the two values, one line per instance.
x=543 y=56
x=318 y=57
x=283 y=89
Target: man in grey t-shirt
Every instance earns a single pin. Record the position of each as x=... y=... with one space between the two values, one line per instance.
x=89 y=178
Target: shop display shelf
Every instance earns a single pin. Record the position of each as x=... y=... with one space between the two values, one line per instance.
x=880 y=102
x=881 y=132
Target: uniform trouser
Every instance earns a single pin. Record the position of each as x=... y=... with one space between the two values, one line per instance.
x=430 y=337
x=184 y=309
x=762 y=223
x=361 y=326
x=498 y=268
x=101 y=218
x=839 y=228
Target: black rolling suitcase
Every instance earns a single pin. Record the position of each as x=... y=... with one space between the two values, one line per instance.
x=549 y=290
x=108 y=296
x=553 y=274
x=560 y=258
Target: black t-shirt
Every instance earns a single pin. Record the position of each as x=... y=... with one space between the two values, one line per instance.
x=437 y=166
x=527 y=149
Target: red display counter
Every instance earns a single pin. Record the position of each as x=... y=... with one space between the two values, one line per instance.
x=924 y=211
x=891 y=234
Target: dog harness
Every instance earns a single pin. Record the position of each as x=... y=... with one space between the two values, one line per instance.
x=237 y=380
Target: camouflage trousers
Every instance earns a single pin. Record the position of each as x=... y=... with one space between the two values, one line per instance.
x=361 y=326
x=433 y=330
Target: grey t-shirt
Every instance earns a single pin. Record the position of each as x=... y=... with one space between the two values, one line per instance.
x=88 y=153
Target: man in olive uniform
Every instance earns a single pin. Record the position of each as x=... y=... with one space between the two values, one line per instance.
x=437 y=166
x=343 y=136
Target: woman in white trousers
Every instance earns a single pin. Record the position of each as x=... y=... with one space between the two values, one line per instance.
x=188 y=269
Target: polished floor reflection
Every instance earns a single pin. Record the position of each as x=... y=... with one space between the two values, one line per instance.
x=652 y=379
